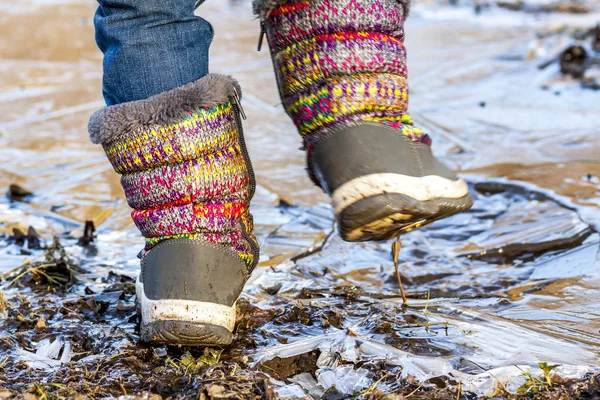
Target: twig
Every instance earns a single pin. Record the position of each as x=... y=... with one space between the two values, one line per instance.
x=37 y=269
x=414 y=391
x=396 y=246
x=427 y=302
x=22 y=274
x=372 y=388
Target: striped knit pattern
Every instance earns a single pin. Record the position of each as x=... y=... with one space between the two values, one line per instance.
x=340 y=63
x=188 y=179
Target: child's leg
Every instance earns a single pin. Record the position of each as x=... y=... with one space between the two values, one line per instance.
x=150 y=46
x=175 y=135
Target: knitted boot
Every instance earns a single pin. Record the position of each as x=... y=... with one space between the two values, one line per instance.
x=341 y=71
x=188 y=177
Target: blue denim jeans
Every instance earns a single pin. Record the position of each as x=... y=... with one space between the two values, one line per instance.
x=150 y=46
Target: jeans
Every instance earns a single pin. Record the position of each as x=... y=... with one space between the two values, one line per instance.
x=150 y=46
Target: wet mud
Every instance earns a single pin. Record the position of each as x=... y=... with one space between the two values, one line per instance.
x=501 y=301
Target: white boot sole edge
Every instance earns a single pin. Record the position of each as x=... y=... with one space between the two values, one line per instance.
x=423 y=188
x=184 y=310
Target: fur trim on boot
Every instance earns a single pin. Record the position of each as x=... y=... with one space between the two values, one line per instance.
x=111 y=123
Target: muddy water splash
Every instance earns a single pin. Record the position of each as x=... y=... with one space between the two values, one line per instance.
x=514 y=282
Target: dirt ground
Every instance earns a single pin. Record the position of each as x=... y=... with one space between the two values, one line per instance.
x=503 y=300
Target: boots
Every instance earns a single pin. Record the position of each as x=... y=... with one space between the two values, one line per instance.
x=187 y=175
x=341 y=71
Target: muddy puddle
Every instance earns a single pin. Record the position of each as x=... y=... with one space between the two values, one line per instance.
x=502 y=300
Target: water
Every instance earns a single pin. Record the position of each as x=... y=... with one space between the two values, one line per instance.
x=513 y=282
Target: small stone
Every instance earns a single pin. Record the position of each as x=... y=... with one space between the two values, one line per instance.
x=16 y=192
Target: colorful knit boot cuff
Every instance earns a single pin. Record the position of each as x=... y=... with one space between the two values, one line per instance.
x=184 y=164
x=340 y=63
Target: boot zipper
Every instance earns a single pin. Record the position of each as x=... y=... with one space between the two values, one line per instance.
x=237 y=105
x=263 y=32
x=261 y=37
x=239 y=114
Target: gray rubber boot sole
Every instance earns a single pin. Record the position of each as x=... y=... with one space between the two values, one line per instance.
x=387 y=216
x=186 y=334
